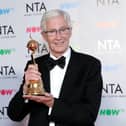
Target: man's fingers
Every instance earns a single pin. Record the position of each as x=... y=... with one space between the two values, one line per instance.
x=33 y=66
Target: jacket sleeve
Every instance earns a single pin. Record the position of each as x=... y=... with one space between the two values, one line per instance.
x=17 y=108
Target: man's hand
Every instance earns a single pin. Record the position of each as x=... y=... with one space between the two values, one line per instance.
x=46 y=99
x=31 y=73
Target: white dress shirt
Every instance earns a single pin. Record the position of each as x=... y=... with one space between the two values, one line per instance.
x=57 y=76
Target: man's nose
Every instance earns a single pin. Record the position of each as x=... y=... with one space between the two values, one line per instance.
x=58 y=34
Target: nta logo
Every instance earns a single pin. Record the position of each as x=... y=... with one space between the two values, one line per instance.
x=112 y=88
x=6 y=30
x=36 y=7
x=42 y=49
x=3 y=112
x=109 y=46
x=7 y=70
x=107 y=2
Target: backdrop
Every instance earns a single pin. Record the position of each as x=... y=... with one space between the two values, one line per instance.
x=99 y=28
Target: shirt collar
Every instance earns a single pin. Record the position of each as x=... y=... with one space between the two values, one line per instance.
x=66 y=54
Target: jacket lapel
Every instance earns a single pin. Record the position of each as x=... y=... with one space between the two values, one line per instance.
x=70 y=75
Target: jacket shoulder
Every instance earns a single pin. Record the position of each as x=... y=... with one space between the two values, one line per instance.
x=86 y=57
x=42 y=58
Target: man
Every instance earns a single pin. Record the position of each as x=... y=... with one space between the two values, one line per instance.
x=73 y=92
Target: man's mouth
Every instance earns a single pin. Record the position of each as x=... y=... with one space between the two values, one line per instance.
x=59 y=43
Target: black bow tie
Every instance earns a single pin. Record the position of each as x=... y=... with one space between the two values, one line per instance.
x=60 y=62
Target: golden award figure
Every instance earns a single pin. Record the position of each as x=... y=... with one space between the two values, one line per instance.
x=35 y=87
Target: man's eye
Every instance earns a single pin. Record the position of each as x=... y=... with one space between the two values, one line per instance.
x=63 y=29
x=51 y=31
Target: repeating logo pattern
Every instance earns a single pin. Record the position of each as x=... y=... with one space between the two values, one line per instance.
x=101 y=25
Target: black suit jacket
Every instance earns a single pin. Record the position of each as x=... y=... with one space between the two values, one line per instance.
x=79 y=99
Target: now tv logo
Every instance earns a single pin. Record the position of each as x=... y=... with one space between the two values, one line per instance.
x=111 y=112
x=5 y=11
x=33 y=29
x=4 y=92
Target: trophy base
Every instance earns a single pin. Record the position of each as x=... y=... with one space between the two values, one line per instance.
x=36 y=94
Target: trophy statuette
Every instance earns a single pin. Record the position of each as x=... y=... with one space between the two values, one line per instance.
x=35 y=87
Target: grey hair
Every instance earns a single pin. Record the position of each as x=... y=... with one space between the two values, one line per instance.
x=53 y=13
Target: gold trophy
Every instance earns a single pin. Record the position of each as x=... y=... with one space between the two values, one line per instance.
x=35 y=87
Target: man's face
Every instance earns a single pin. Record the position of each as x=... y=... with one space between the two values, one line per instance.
x=57 y=35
